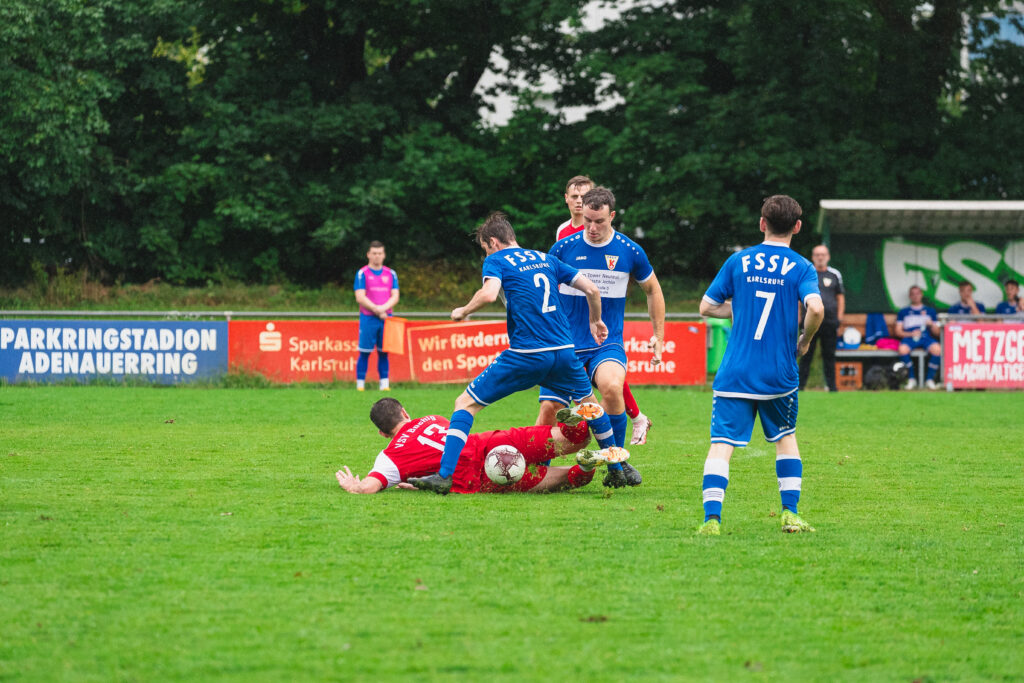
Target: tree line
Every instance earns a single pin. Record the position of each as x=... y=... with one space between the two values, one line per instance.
x=270 y=140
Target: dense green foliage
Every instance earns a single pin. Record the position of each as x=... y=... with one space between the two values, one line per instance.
x=268 y=140
x=189 y=534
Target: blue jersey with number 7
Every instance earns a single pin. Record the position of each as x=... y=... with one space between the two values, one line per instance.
x=766 y=283
x=530 y=279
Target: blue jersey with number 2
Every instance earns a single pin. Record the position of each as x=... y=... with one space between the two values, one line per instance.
x=530 y=282
x=766 y=283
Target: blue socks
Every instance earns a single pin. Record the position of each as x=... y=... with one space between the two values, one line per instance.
x=382 y=365
x=362 y=363
x=458 y=432
x=933 y=366
x=789 y=469
x=716 y=479
x=603 y=431
x=905 y=359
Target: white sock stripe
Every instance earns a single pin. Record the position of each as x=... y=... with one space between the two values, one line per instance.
x=604 y=435
x=716 y=466
x=714 y=494
x=458 y=433
x=789 y=483
x=786 y=457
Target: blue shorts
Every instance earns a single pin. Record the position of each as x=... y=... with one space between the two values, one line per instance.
x=591 y=358
x=510 y=372
x=924 y=342
x=371 y=333
x=732 y=419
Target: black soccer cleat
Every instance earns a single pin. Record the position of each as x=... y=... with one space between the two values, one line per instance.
x=433 y=482
x=615 y=479
x=633 y=477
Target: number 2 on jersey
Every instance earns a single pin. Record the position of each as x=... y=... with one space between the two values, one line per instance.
x=770 y=296
x=538 y=280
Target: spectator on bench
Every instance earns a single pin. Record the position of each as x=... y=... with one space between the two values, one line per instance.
x=916 y=329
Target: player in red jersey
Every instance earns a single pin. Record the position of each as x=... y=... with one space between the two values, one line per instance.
x=416 y=445
x=574 y=190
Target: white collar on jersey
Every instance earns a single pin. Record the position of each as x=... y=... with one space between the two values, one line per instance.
x=773 y=243
x=600 y=244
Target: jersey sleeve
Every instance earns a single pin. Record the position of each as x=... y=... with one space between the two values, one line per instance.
x=840 y=289
x=385 y=471
x=981 y=306
x=642 y=269
x=394 y=278
x=902 y=314
x=809 y=284
x=360 y=282
x=563 y=273
x=492 y=268
x=721 y=289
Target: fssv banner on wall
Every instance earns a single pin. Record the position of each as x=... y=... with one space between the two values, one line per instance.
x=983 y=356
x=436 y=352
x=165 y=352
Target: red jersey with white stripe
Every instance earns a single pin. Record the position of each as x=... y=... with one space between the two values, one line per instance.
x=567 y=229
x=415 y=451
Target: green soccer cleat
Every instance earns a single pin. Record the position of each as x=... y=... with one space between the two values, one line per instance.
x=792 y=524
x=583 y=411
x=433 y=482
x=712 y=527
x=591 y=459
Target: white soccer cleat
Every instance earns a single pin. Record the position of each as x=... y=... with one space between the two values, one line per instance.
x=911 y=384
x=641 y=425
x=605 y=456
x=583 y=411
x=930 y=384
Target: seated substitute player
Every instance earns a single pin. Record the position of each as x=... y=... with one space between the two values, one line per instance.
x=966 y=305
x=759 y=375
x=574 y=190
x=917 y=329
x=608 y=258
x=1013 y=304
x=416 y=444
x=540 y=344
x=376 y=289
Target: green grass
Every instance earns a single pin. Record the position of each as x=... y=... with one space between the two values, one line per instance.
x=198 y=534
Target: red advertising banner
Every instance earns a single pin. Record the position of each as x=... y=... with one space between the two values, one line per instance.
x=983 y=355
x=436 y=352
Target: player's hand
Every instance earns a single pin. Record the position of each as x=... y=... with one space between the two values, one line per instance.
x=459 y=313
x=382 y=314
x=599 y=331
x=346 y=479
x=802 y=344
x=657 y=347
x=405 y=485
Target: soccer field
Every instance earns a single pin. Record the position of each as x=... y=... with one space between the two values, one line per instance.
x=180 y=533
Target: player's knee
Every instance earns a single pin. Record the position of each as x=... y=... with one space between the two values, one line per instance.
x=903 y=349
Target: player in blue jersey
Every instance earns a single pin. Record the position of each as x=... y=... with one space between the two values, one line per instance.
x=540 y=345
x=967 y=304
x=609 y=259
x=916 y=328
x=761 y=289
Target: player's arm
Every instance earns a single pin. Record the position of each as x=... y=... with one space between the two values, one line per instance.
x=656 y=310
x=840 y=306
x=365 y=302
x=487 y=294
x=933 y=327
x=711 y=309
x=812 y=321
x=388 y=305
x=352 y=484
x=597 y=327
x=900 y=332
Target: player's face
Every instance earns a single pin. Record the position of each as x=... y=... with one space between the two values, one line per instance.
x=1011 y=291
x=965 y=292
x=916 y=296
x=375 y=257
x=819 y=256
x=574 y=200
x=598 y=223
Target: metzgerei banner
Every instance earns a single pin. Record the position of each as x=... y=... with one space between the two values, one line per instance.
x=983 y=355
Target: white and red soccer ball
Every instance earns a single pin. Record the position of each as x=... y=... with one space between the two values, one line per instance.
x=504 y=465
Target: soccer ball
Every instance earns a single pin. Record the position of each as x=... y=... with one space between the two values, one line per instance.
x=504 y=465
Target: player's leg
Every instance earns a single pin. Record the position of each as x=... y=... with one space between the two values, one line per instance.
x=641 y=423
x=778 y=420
x=383 y=366
x=370 y=331
x=550 y=404
x=828 y=335
x=608 y=372
x=567 y=379
x=561 y=478
x=362 y=363
x=904 y=351
x=732 y=421
x=934 y=360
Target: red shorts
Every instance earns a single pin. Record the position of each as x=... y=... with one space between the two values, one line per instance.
x=534 y=443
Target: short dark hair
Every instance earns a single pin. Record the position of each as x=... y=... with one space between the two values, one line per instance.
x=781 y=212
x=598 y=197
x=578 y=180
x=1011 y=282
x=498 y=226
x=966 y=282
x=376 y=244
x=385 y=414
x=913 y=287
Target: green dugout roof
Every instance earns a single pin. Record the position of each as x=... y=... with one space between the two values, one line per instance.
x=919 y=217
